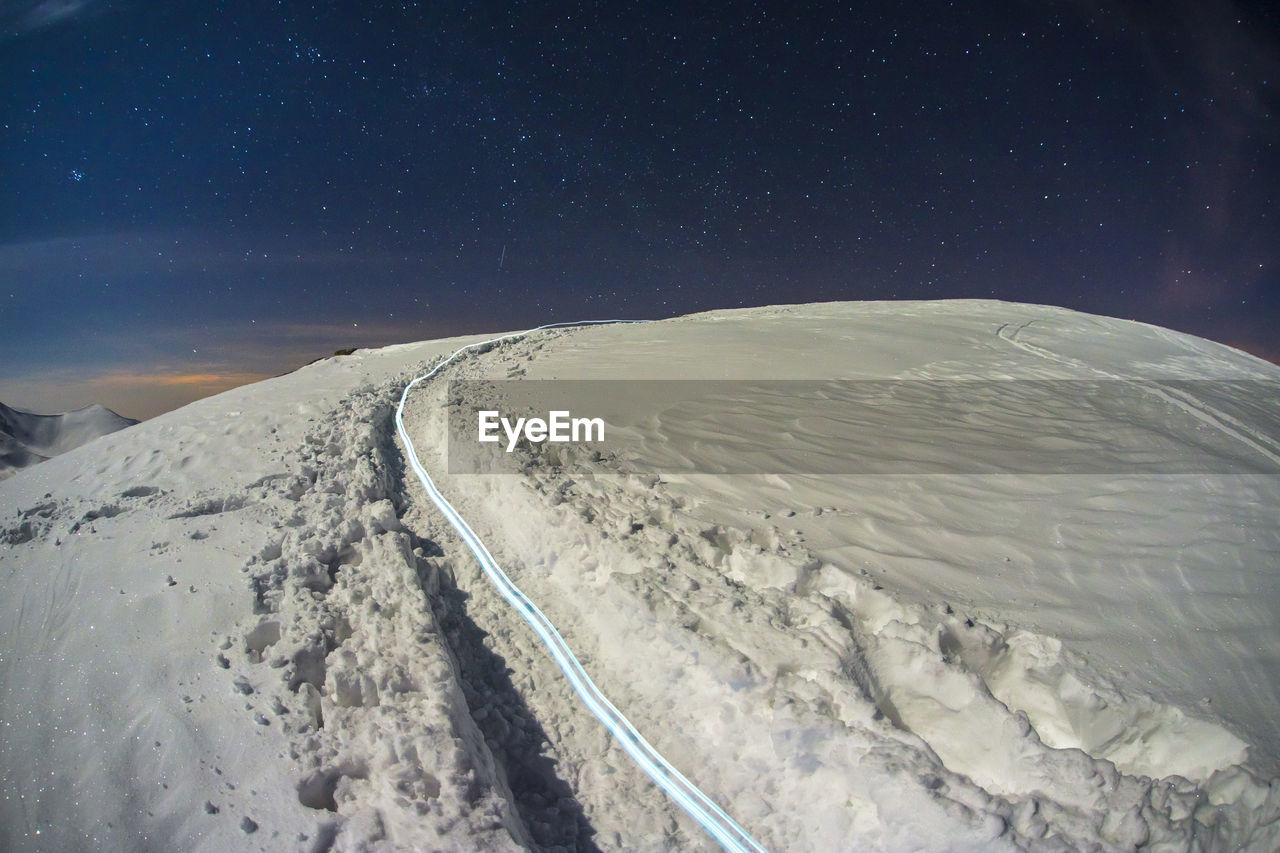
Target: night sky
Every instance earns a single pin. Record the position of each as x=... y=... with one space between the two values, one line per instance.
x=199 y=194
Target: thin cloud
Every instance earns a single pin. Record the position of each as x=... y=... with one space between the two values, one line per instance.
x=217 y=381
x=21 y=18
x=153 y=374
x=134 y=393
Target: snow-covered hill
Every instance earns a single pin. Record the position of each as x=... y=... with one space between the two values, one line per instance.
x=242 y=626
x=27 y=438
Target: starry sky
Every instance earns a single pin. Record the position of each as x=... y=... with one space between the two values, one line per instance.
x=201 y=194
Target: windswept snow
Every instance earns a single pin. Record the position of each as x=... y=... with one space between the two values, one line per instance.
x=27 y=438
x=242 y=625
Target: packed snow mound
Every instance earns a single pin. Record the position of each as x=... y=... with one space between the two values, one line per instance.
x=27 y=438
x=242 y=626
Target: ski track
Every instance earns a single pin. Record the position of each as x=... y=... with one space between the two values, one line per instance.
x=724 y=829
x=1185 y=402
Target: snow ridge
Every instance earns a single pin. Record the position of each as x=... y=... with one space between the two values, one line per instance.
x=723 y=828
x=863 y=655
x=27 y=438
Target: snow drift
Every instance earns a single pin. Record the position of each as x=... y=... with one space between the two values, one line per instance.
x=240 y=625
x=27 y=438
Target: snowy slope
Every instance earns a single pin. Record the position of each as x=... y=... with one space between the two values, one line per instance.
x=27 y=438
x=242 y=626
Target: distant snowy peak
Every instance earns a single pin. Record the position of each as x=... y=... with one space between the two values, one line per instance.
x=27 y=438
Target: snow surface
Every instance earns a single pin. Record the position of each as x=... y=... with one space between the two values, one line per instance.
x=27 y=438
x=242 y=626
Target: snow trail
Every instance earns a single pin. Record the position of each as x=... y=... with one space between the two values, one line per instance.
x=1179 y=399
x=718 y=824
